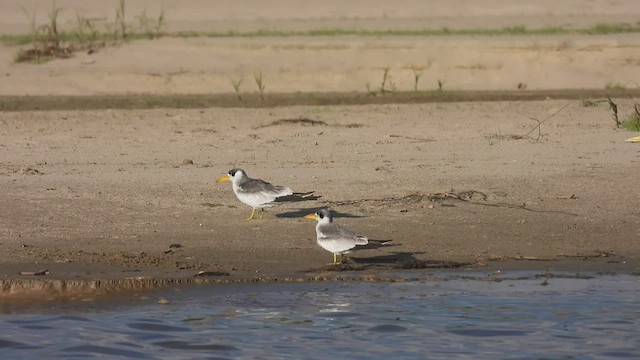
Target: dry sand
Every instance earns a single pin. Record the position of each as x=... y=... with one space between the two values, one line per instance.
x=345 y=63
x=103 y=194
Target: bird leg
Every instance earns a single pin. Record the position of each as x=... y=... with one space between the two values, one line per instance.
x=253 y=212
x=261 y=213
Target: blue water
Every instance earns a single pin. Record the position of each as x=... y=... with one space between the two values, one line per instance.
x=565 y=318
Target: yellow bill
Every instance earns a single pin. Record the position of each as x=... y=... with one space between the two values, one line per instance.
x=311 y=216
x=223 y=179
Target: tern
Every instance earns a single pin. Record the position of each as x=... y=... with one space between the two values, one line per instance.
x=335 y=238
x=260 y=194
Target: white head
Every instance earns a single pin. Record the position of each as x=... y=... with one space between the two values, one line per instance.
x=323 y=216
x=234 y=175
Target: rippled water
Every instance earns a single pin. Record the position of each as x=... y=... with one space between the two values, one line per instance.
x=457 y=318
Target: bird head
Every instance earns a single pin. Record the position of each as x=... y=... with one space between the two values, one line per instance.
x=233 y=175
x=322 y=216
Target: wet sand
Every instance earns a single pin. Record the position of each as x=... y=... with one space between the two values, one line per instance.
x=104 y=193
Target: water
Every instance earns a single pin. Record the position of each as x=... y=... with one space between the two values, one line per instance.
x=567 y=318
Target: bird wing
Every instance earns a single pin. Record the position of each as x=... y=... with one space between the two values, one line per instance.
x=263 y=190
x=336 y=232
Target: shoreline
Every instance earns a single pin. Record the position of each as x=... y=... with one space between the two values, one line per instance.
x=33 y=293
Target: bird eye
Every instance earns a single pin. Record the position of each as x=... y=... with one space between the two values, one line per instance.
x=320 y=215
x=232 y=172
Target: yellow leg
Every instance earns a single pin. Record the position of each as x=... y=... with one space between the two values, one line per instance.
x=261 y=213
x=253 y=212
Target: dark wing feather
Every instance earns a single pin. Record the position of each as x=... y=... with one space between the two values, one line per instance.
x=257 y=185
x=297 y=197
x=375 y=244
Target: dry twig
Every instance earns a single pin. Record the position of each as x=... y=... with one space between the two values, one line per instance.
x=540 y=122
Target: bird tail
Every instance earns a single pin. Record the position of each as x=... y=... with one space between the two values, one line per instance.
x=361 y=240
x=297 y=197
x=283 y=191
x=375 y=244
x=381 y=242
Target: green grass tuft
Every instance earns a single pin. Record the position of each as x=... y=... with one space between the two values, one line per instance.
x=632 y=122
x=611 y=85
x=149 y=27
x=611 y=29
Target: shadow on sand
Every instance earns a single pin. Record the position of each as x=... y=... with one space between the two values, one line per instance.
x=300 y=212
x=393 y=261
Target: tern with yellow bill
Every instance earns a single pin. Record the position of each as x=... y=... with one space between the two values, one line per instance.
x=335 y=238
x=260 y=194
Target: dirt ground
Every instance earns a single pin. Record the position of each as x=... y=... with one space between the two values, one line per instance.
x=107 y=194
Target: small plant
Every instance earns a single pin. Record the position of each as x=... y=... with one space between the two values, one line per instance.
x=161 y=22
x=45 y=40
x=145 y=24
x=589 y=103
x=614 y=86
x=120 y=30
x=152 y=28
x=236 y=86
x=86 y=32
x=259 y=83
x=610 y=29
x=33 y=31
x=53 y=37
x=369 y=91
x=19 y=55
x=632 y=122
x=614 y=109
x=385 y=77
x=440 y=84
x=416 y=78
x=515 y=30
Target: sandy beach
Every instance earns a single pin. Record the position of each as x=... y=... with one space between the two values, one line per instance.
x=121 y=193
